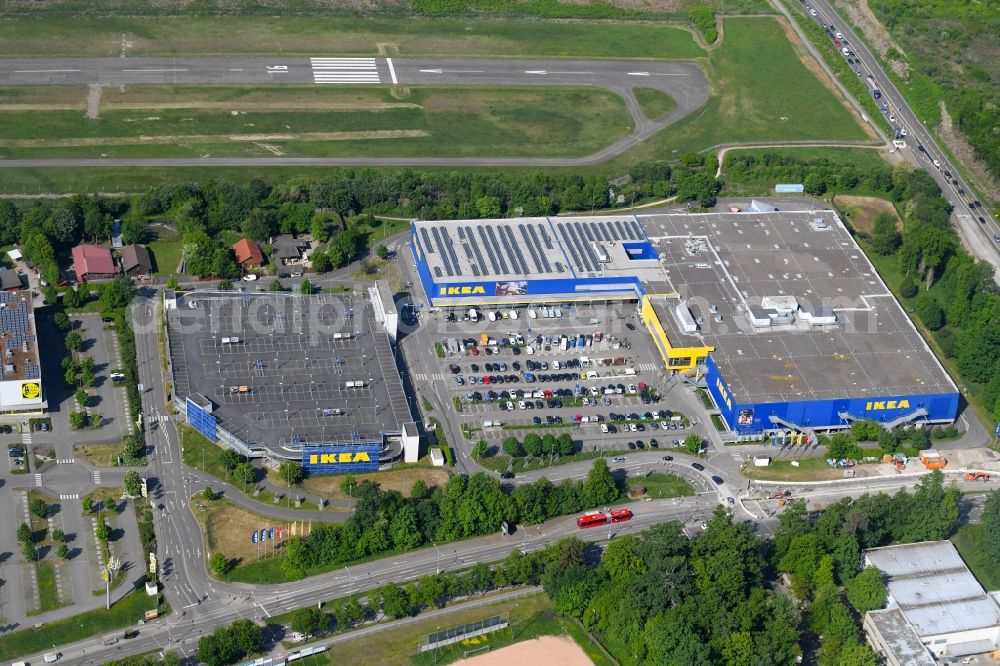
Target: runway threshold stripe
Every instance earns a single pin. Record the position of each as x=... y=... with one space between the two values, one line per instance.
x=392 y=70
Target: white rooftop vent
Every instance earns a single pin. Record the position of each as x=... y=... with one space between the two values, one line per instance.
x=781 y=304
x=684 y=318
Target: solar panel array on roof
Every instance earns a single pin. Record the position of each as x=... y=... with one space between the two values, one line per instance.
x=449 y=246
x=489 y=249
x=530 y=236
x=496 y=247
x=14 y=321
x=513 y=250
x=544 y=231
x=428 y=247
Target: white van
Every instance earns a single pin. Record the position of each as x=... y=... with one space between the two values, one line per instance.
x=52 y=657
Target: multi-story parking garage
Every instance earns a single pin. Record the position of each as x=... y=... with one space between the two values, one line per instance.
x=779 y=315
x=310 y=378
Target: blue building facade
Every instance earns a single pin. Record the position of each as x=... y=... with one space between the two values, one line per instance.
x=753 y=418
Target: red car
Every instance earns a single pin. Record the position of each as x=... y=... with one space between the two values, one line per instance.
x=486 y=379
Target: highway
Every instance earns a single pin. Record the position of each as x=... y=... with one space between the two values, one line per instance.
x=982 y=238
x=685 y=82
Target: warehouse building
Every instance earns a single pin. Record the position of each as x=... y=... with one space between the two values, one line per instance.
x=934 y=605
x=778 y=313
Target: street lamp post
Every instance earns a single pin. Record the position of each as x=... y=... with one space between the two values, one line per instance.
x=438 y=552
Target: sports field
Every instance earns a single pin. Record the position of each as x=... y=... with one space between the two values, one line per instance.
x=309 y=121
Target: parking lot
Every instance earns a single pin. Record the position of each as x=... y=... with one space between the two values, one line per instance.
x=588 y=369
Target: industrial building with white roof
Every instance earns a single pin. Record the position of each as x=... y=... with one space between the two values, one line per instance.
x=934 y=601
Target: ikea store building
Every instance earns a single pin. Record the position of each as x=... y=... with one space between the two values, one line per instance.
x=779 y=315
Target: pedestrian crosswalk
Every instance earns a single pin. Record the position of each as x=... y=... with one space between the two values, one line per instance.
x=38 y=479
x=96 y=475
x=69 y=497
x=344 y=70
x=65 y=461
x=647 y=367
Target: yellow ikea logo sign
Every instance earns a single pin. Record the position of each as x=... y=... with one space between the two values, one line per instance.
x=30 y=390
x=339 y=458
x=886 y=404
x=460 y=291
x=721 y=388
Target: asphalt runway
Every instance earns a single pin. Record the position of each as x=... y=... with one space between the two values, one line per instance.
x=685 y=82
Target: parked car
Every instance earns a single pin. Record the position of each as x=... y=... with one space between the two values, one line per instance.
x=618 y=459
x=698 y=466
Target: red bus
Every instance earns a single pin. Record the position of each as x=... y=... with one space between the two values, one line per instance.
x=598 y=518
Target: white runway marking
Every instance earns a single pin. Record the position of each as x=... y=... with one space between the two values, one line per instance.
x=169 y=69
x=44 y=71
x=345 y=70
x=392 y=70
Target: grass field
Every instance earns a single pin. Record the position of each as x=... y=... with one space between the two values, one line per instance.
x=126 y=612
x=227 y=529
x=202 y=454
x=809 y=469
x=98 y=455
x=860 y=212
x=396 y=479
x=302 y=35
x=967 y=540
x=166 y=255
x=433 y=121
x=530 y=617
x=761 y=92
x=48 y=597
x=662 y=486
x=654 y=103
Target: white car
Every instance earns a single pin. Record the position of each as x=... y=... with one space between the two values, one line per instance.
x=604 y=428
x=532 y=314
x=632 y=388
x=902 y=131
x=520 y=404
x=249 y=277
x=510 y=406
x=813 y=12
x=892 y=117
x=840 y=35
x=937 y=163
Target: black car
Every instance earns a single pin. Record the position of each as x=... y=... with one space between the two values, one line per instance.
x=982 y=220
x=507 y=475
x=631 y=445
x=537 y=420
x=668 y=458
x=630 y=326
x=698 y=466
x=718 y=480
x=653 y=444
x=16 y=453
x=539 y=404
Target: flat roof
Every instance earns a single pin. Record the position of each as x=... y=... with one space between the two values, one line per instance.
x=900 y=637
x=724 y=265
x=532 y=248
x=18 y=338
x=317 y=369
x=934 y=588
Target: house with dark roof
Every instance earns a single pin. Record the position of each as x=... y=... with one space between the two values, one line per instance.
x=93 y=262
x=248 y=254
x=136 y=261
x=9 y=280
x=288 y=250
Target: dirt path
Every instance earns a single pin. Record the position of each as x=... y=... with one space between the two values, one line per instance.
x=93 y=101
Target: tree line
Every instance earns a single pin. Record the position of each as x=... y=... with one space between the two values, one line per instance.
x=338 y=211
x=385 y=522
